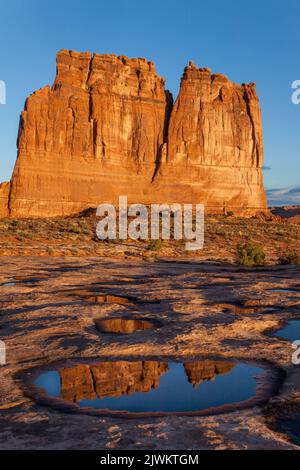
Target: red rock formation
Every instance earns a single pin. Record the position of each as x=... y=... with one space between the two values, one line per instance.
x=96 y=134
x=4 y=197
x=215 y=146
x=103 y=130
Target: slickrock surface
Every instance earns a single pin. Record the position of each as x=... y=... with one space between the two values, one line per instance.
x=107 y=127
x=43 y=322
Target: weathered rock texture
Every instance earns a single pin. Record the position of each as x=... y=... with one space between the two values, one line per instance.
x=214 y=150
x=4 y=197
x=107 y=128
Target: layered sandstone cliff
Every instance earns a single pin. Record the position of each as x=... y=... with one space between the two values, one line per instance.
x=4 y=198
x=107 y=128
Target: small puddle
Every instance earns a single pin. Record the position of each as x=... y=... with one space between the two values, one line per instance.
x=101 y=298
x=106 y=298
x=23 y=280
x=285 y=291
x=124 y=325
x=150 y=386
x=290 y=332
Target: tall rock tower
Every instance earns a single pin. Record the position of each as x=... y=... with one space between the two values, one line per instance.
x=215 y=145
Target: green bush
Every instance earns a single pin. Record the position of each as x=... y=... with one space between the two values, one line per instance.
x=250 y=254
x=155 y=245
x=290 y=257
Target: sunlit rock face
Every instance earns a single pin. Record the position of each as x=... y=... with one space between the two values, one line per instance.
x=4 y=197
x=215 y=144
x=107 y=127
x=96 y=134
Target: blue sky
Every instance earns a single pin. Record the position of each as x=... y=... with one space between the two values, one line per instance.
x=248 y=41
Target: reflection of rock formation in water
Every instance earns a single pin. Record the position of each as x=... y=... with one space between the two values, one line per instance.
x=197 y=372
x=122 y=325
x=109 y=379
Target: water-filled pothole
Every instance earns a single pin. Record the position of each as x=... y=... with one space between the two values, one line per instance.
x=292 y=428
x=107 y=298
x=102 y=297
x=23 y=280
x=149 y=387
x=124 y=325
x=290 y=331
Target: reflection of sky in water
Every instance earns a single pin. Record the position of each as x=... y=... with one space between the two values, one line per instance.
x=291 y=331
x=174 y=393
x=293 y=428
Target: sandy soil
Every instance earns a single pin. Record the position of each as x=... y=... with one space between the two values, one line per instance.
x=207 y=310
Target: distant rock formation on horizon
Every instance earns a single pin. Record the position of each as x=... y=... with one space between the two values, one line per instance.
x=108 y=127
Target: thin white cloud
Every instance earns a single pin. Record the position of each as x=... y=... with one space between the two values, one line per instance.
x=284 y=196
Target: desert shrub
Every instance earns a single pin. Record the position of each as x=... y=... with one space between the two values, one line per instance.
x=250 y=254
x=74 y=229
x=230 y=214
x=155 y=245
x=289 y=257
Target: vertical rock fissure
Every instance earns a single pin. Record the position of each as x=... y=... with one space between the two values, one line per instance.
x=168 y=111
x=255 y=158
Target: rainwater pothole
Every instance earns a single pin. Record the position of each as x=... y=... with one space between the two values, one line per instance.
x=125 y=325
x=290 y=331
x=153 y=387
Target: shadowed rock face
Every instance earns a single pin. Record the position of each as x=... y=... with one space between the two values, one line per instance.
x=110 y=379
x=106 y=128
x=113 y=379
